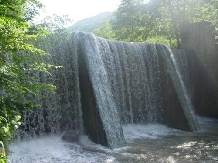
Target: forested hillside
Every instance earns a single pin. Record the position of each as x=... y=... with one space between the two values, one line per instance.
x=152 y=21
x=92 y=23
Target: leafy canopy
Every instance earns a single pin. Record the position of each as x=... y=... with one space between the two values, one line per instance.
x=137 y=20
x=20 y=62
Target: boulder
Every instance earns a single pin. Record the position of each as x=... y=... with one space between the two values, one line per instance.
x=71 y=136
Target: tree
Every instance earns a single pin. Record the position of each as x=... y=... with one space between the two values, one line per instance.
x=127 y=19
x=105 y=31
x=20 y=61
x=177 y=13
x=139 y=21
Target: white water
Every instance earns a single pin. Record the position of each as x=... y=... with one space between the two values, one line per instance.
x=133 y=74
x=146 y=143
x=104 y=97
x=180 y=87
x=150 y=131
x=125 y=81
x=51 y=149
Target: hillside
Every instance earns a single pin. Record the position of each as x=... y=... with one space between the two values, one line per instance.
x=89 y=24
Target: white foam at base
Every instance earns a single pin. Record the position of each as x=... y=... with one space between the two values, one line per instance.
x=205 y=120
x=151 y=131
x=51 y=149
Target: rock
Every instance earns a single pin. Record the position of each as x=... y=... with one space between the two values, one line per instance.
x=2 y=150
x=71 y=136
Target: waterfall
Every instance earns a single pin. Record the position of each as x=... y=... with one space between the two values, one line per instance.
x=104 y=84
x=181 y=60
x=62 y=110
x=133 y=75
x=180 y=87
x=102 y=91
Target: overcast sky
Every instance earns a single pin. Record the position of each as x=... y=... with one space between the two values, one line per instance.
x=78 y=9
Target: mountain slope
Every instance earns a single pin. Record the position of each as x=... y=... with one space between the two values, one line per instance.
x=89 y=24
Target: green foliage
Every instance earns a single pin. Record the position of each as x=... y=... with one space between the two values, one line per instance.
x=139 y=21
x=127 y=16
x=90 y=24
x=105 y=31
x=153 y=20
x=56 y=26
x=3 y=158
x=21 y=61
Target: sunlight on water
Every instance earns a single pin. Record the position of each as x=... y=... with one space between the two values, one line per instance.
x=145 y=143
x=126 y=83
x=180 y=87
x=110 y=67
x=51 y=149
x=151 y=131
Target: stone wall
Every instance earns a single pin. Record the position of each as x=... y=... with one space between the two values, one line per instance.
x=200 y=37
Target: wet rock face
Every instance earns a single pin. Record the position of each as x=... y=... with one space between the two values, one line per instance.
x=2 y=150
x=204 y=91
x=203 y=67
x=71 y=136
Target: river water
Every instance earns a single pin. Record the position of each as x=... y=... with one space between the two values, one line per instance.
x=145 y=143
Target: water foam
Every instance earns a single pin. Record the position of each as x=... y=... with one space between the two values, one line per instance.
x=51 y=149
x=149 y=131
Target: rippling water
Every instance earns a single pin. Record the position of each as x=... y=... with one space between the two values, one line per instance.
x=146 y=143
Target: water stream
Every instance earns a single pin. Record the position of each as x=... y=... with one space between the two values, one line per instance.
x=129 y=96
x=145 y=143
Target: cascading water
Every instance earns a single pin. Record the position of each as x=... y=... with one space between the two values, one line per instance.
x=104 y=84
x=102 y=91
x=60 y=111
x=133 y=75
x=180 y=87
x=181 y=60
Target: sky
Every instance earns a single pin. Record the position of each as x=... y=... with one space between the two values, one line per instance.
x=77 y=9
